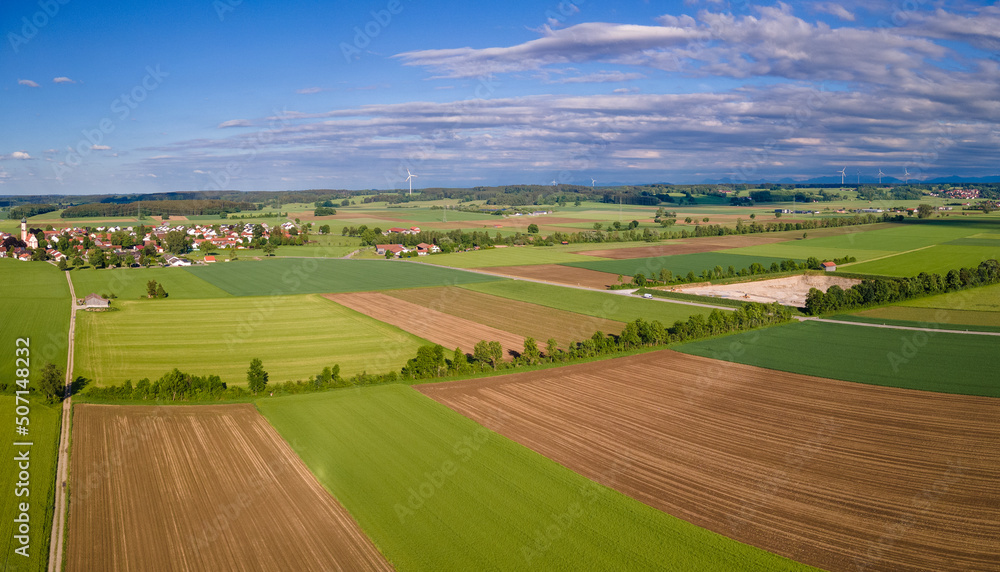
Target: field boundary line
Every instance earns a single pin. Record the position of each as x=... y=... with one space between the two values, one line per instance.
x=886 y=256
x=612 y=292
x=893 y=327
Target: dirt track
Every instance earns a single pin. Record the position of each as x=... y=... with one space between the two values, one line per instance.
x=423 y=321
x=558 y=274
x=838 y=475
x=200 y=488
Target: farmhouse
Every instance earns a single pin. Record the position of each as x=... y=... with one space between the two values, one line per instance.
x=423 y=249
x=95 y=301
x=174 y=261
x=396 y=249
x=830 y=266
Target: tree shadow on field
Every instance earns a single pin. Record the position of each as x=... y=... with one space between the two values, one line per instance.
x=77 y=385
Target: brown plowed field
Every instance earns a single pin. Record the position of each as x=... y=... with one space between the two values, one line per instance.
x=208 y=487
x=428 y=323
x=839 y=475
x=521 y=318
x=557 y=274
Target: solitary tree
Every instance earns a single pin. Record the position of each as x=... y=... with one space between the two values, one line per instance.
x=151 y=289
x=268 y=248
x=51 y=385
x=533 y=228
x=924 y=210
x=160 y=292
x=256 y=376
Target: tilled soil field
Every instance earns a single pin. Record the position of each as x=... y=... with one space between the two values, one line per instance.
x=424 y=321
x=558 y=274
x=200 y=488
x=522 y=318
x=839 y=475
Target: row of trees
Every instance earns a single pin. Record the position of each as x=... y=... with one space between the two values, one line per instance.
x=878 y=291
x=50 y=387
x=453 y=240
x=30 y=210
x=158 y=208
x=435 y=361
x=666 y=277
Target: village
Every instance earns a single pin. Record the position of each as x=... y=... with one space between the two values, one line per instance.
x=138 y=246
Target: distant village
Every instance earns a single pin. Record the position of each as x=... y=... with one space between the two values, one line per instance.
x=140 y=245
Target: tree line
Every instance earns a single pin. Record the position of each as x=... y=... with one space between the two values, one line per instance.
x=883 y=290
x=30 y=210
x=666 y=277
x=433 y=361
x=158 y=208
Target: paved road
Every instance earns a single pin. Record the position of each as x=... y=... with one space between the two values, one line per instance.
x=62 y=463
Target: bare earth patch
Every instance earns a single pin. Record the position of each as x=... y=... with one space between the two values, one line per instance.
x=203 y=487
x=788 y=291
x=557 y=274
x=428 y=323
x=839 y=475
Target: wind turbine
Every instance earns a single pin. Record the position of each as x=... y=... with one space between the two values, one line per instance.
x=906 y=176
x=859 y=177
x=842 y=172
x=593 y=182
x=554 y=183
x=880 y=174
x=409 y=179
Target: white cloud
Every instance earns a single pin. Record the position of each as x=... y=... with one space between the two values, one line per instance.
x=100 y=148
x=835 y=9
x=20 y=155
x=601 y=77
x=62 y=79
x=309 y=90
x=27 y=82
x=234 y=123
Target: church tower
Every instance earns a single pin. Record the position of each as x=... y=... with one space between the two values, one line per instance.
x=24 y=229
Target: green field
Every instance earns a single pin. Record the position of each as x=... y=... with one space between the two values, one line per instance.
x=44 y=434
x=130 y=283
x=36 y=305
x=985 y=299
x=513 y=256
x=295 y=337
x=590 y=303
x=948 y=363
x=926 y=318
x=800 y=250
x=436 y=491
x=679 y=264
x=311 y=276
x=938 y=259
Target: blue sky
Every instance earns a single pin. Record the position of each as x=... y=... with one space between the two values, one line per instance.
x=119 y=97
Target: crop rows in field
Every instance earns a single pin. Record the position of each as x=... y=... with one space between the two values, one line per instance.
x=521 y=318
x=558 y=274
x=295 y=337
x=43 y=432
x=821 y=471
x=200 y=488
x=288 y=276
x=426 y=322
x=437 y=491
x=599 y=304
x=930 y=361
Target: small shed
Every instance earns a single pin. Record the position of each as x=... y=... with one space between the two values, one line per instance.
x=96 y=301
x=830 y=266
